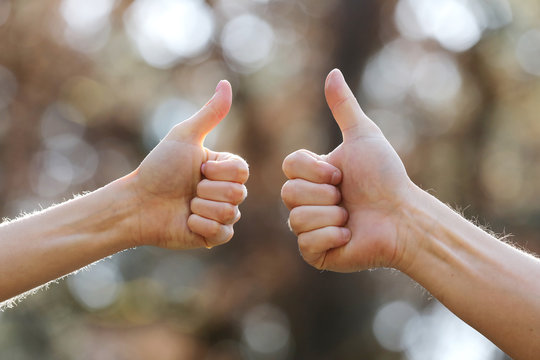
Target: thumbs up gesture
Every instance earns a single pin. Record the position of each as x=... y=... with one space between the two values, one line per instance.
x=346 y=207
x=187 y=196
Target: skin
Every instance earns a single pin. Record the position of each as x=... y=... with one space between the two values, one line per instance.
x=357 y=209
x=182 y=196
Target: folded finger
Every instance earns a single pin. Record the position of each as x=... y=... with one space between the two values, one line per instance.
x=298 y=192
x=308 y=218
x=314 y=244
x=222 y=212
x=233 y=169
x=212 y=231
x=304 y=164
x=224 y=191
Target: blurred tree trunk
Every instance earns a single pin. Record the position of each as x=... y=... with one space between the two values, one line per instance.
x=336 y=298
x=357 y=26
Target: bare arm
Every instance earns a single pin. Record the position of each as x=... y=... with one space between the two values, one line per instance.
x=356 y=208
x=486 y=282
x=54 y=242
x=171 y=200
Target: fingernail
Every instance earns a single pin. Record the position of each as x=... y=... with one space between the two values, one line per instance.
x=202 y=168
x=219 y=85
x=335 y=178
x=334 y=73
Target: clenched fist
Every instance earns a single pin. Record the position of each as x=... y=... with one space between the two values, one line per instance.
x=188 y=195
x=345 y=207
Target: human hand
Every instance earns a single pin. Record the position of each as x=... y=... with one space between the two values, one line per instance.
x=346 y=207
x=187 y=195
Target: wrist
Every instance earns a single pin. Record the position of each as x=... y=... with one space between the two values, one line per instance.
x=431 y=232
x=123 y=212
x=417 y=220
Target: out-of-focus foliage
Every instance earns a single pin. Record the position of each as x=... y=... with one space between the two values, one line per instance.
x=87 y=88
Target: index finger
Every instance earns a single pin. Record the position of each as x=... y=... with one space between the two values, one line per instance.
x=304 y=164
x=234 y=169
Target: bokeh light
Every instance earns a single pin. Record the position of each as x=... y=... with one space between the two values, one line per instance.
x=67 y=158
x=247 y=41
x=388 y=75
x=179 y=276
x=168 y=113
x=402 y=68
x=437 y=333
x=266 y=332
x=97 y=287
x=528 y=51
x=450 y=22
x=397 y=127
x=60 y=119
x=389 y=324
x=168 y=31
x=52 y=173
x=88 y=24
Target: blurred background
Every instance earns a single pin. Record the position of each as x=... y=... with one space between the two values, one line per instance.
x=87 y=88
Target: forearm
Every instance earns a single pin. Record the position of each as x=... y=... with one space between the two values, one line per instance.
x=489 y=284
x=44 y=246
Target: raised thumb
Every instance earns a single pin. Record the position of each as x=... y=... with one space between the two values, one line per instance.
x=345 y=108
x=215 y=110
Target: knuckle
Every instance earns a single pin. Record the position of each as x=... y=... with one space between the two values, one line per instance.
x=214 y=229
x=235 y=193
x=227 y=212
x=241 y=169
x=230 y=192
x=237 y=215
x=335 y=194
x=287 y=165
x=229 y=233
x=225 y=235
x=243 y=173
x=284 y=190
x=296 y=219
x=291 y=162
x=304 y=244
x=239 y=194
x=305 y=155
x=243 y=193
x=287 y=192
